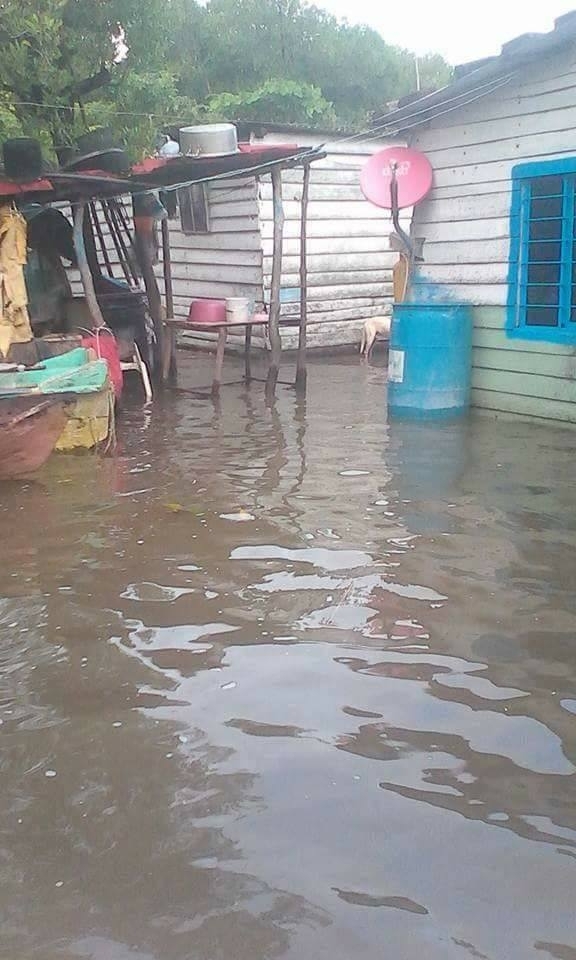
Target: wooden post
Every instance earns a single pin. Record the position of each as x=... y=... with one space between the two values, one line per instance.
x=247 y=360
x=84 y=268
x=154 y=301
x=167 y=267
x=220 y=349
x=118 y=242
x=274 y=319
x=169 y=360
x=98 y=229
x=301 y=358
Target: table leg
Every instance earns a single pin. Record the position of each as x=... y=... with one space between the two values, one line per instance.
x=169 y=358
x=222 y=337
x=247 y=363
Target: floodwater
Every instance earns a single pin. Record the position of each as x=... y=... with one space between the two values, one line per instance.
x=291 y=682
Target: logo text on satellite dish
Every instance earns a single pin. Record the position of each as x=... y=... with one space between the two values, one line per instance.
x=402 y=169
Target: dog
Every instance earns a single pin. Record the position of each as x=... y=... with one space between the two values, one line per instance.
x=376 y=326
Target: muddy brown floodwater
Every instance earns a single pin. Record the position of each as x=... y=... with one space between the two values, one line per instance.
x=291 y=683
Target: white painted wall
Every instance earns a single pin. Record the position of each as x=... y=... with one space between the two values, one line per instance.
x=465 y=223
x=465 y=220
x=349 y=258
x=226 y=261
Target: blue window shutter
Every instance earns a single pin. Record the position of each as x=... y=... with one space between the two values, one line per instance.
x=524 y=258
x=541 y=303
x=567 y=241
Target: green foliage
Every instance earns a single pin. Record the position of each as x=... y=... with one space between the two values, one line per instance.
x=56 y=54
x=235 y=46
x=137 y=65
x=285 y=100
x=434 y=72
x=140 y=101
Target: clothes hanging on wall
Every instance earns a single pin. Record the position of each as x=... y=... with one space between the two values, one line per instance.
x=49 y=240
x=14 y=320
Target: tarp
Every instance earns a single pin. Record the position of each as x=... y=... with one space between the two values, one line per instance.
x=14 y=320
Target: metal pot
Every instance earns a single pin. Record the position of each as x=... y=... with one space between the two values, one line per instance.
x=209 y=140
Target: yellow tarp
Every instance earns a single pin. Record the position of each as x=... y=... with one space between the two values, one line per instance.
x=14 y=320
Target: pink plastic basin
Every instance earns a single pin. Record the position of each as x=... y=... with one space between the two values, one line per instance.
x=207 y=311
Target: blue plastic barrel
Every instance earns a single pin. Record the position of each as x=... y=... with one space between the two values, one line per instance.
x=430 y=362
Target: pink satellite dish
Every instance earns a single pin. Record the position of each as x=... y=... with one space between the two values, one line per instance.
x=413 y=176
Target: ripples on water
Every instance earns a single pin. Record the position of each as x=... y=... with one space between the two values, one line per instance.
x=341 y=728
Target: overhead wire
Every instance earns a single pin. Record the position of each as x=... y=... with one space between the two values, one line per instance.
x=374 y=132
x=367 y=136
x=119 y=113
x=488 y=86
x=435 y=93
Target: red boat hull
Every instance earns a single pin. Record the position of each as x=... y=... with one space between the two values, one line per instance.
x=29 y=430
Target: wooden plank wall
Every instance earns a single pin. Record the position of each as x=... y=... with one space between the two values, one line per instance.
x=465 y=222
x=226 y=261
x=350 y=261
x=349 y=257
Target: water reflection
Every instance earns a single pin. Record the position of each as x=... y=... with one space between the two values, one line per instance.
x=348 y=721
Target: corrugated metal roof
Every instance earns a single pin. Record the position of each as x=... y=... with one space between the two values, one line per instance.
x=250 y=160
x=473 y=81
x=262 y=127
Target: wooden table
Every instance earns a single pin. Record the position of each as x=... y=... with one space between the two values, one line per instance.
x=260 y=320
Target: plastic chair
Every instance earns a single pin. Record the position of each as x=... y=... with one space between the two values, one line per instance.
x=138 y=366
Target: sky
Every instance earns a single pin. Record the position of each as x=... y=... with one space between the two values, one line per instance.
x=460 y=30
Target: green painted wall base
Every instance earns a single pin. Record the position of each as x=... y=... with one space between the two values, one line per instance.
x=522 y=377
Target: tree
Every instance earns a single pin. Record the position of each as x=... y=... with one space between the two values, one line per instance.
x=285 y=100
x=57 y=55
x=140 y=65
x=232 y=46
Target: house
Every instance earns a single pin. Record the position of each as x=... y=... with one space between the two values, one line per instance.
x=500 y=222
x=222 y=239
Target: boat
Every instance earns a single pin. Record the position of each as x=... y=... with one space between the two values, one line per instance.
x=81 y=386
x=29 y=430
x=73 y=373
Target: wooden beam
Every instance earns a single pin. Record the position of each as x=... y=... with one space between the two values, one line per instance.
x=84 y=268
x=167 y=270
x=118 y=242
x=169 y=353
x=98 y=230
x=154 y=300
x=301 y=358
x=247 y=360
x=220 y=351
x=276 y=279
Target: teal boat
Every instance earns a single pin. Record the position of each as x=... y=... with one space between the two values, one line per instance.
x=75 y=385
x=71 y=373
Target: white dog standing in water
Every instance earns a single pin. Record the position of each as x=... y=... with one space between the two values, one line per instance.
x=376 y=326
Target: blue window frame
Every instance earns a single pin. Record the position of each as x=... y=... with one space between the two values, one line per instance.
x=542 y=280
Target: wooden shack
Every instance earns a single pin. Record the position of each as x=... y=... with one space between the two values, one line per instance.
x=500 y=220
x=226 y=249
